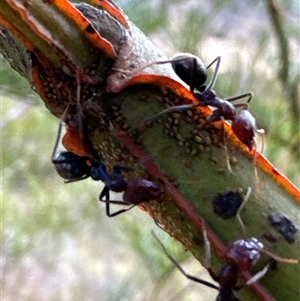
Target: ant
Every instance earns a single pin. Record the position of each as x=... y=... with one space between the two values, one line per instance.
x=72 y=167
x=240 y=256
x=193 y=72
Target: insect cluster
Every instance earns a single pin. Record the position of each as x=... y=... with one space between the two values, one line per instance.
x=45 y=76
x=242 y=254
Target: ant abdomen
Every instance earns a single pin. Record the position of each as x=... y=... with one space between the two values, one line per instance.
x=244 y=127
x=141 y=191
x=244 y=253
x=190 y=69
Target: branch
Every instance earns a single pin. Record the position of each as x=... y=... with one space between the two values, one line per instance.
x=82 y=60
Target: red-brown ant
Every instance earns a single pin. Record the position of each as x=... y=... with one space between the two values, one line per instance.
x=73 y=167
x=240 y=256
x=193 y=72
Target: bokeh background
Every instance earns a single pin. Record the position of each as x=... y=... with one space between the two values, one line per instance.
x=56 y=242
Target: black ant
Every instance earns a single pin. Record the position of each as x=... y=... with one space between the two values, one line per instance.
x=240 y=256
x=72 y=167
x=193 y=72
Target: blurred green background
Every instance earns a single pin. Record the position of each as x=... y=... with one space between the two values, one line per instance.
x=57 y=243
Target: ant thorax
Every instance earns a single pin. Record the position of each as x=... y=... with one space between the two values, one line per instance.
x=207 y=97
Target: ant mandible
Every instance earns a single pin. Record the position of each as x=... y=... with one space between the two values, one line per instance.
x=240 y=256
x=193 y=72
x=72 y=167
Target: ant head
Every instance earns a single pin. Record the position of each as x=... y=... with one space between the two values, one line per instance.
x=190 y=69
x=244 y=253
x=244 y=127
x=71 y=167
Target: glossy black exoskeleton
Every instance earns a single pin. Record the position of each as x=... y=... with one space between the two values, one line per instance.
x=72 y=167
x=192 y=70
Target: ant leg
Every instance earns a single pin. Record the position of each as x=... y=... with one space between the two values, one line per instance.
x=238 y=214
x=213 y=118
x=213 y=275
x=79 y=109
x=249 y=95
x=120 y=211
x=207 y=249
x=244 y=106
x=213 y=80
x=258 y=275
x=170 y=109
x=193 y=278
x=152 y=64
x=105 y=194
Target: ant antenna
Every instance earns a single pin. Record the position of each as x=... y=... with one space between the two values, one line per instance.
x=214 y=78
x=256 y=178
x=57 y=139
x=262 y=133
x=62 y=118
x=238 y=214
x=278 y=258
x=79 y=109
x=177 y=265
